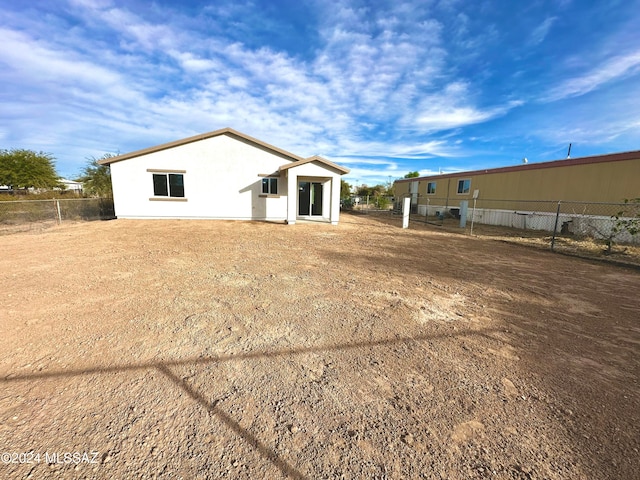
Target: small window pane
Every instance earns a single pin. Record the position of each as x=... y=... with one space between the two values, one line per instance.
x=160 y=185
x=464 y=186
x=270 y=186
x=176 y=185
x=431 y=187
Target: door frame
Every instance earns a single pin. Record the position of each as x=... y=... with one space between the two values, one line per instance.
x=316 y=197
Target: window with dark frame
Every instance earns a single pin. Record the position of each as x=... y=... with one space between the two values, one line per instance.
x=270 y=186
x=464 y=186
x=431 y=188
x=160 y=185
x=168 y=185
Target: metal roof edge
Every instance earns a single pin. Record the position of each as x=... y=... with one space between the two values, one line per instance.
x=610 y=157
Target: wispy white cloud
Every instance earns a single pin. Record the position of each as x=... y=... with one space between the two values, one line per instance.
x=612 y=69
x=25 y=57
x=370 y=176
x=539 y=33
x=452 y=108
x=92 y=4
x=590 y=132
x=370 y=65
x=396 y=149
x=375 y=82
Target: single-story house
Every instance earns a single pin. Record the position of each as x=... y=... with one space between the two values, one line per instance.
x=225 y=174
x=71 y=185
x=67 y=185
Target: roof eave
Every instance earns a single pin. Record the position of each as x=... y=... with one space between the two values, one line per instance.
x=319 y=159
x=610 y=157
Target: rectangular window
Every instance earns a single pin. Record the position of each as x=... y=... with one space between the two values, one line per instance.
x=160 y=185
x=168 y=185
x=464 y=186
x=431 y=188
x=270 y=186
x=176 y=185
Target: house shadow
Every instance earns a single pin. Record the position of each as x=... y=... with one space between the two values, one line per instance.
x=258 y=203
x=260 y=211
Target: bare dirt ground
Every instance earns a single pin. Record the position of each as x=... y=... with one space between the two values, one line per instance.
x=199 y=349
x=568 y=244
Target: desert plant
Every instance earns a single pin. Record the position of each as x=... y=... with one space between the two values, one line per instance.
x=96 y=178
x=383 y=202
x=626 y=220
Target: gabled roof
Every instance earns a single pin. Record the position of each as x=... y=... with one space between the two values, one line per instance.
x=610 y=157
x=315 y=158
x=204 y=136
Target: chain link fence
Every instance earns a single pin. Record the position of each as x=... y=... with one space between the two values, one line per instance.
x=602 y=230
x=25 y=215
x=369 y=203
x=612 y=228
x=608 y=231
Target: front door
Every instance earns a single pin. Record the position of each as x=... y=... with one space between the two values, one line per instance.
x=309 y=198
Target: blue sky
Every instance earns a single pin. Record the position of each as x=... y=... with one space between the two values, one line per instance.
x=383 y=87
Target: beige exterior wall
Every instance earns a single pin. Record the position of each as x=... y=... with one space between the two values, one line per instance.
x=610 y=181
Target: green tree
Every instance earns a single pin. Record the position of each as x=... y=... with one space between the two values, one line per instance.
x=390 y=188
x=345 y=189
x=379 y=190
x=20 y=168
x=380 y=198
x=377 y=194
x=412 y=175
x=375 y=191
x=96 y=178
x=363 y=191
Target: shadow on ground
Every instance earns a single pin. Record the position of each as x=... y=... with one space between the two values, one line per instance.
x=164 y=367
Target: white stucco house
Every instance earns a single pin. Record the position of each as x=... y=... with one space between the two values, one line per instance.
x=71 y=185
x=224 y=174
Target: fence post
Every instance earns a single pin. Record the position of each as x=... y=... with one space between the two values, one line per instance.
x=58 y=214
x=426 y=214
x=406 y=209
x=473 y=213
x=555 y=227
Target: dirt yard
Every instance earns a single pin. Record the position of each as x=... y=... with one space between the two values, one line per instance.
x=200 y=349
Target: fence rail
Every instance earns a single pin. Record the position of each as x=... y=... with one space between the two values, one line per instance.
x=23 y=215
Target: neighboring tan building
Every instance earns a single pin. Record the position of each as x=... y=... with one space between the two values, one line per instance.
x=225 y=174
x=603 y=178
x=531 y=196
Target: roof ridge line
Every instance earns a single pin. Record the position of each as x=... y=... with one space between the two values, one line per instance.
x=195 y=138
